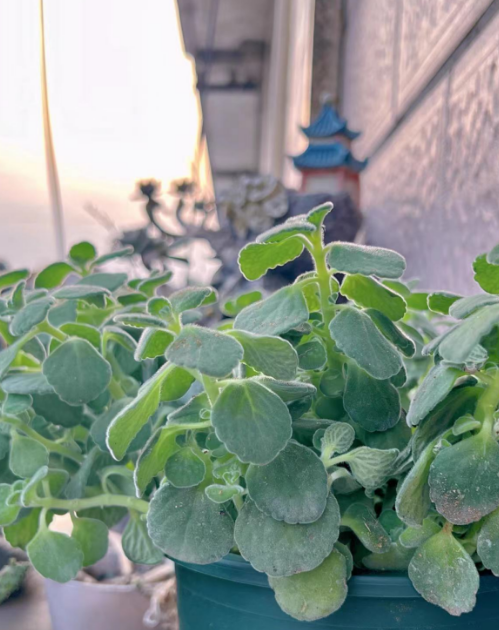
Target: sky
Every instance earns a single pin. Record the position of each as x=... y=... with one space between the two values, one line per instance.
x=122 y=104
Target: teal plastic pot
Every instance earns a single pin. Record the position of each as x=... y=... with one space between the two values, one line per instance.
x=231 y=595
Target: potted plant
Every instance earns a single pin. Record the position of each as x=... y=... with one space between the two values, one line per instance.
x=290 y=464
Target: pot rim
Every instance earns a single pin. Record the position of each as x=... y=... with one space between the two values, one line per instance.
x=110 y=588
x=389 y=585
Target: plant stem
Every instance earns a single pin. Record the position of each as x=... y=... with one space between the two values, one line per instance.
x=103 y=500
x=487 y=404
x=51 y=446
x=211 y=388
x=51 y=330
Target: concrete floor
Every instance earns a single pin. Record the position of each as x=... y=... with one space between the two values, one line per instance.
x=28 y=610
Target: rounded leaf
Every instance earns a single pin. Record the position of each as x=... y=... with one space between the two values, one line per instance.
x=280 y=549
x=92 y=536
x=185 y=469
x=77 y=372
x=55 y=556
x=368 y=261
x=252 y=421
x=292 y=488
x=137 y=545
x=186 y=525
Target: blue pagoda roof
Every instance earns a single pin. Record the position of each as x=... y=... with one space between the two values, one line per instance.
x=334 y=155
x=327 y=124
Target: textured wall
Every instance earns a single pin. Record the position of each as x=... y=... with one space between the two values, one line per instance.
x=421 y=79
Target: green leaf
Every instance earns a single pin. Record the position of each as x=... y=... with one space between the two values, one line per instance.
x=413 y=496
x=283 y=231
x=152 y=460
x=488 y=543
x=9 y=354
x=221 y=493
x=79 y=292
x=486 y=275
x=236 y=305
x=29 y=316
x=187 y=526
x=440 y=302
x=468 y=305
x=192 y=297
x=396 y=336
x=465 y=424
x=314 y=594
x=371 y=467
x=119 y=253
x=288 y=391
x=372 y=403
x=56 y=556
x=337 y=438
x=176 y=384
x=139 y=320
x=362 y=521
x=76 y=487
x=77 y=372
x=56 y=411
x=137 y=545
x=153 y=343
x=273 y=356
x=283 y=310
x=493 y=255
x=413 y=537
x=62 y=314
x=83 y=252
x=444 y=574
x=418 y=301
x=26 y=456
x=312 y=354
x=252 y=421
x=369 y=293
x=109 y=281
x=368 y=261
x=292 y=488
x=150 y=285
x=8 y=513
x=134 y=416
x=211 y=352
x=396 y=559
x=317 y=215
x=10 y=278
x=190 y=412
x=357 y=336
x=16 y=404
x=92 y=537
x=436 y=385
x=26 y=383
x=83 y=331
x=279 y=549
x=22 y=530
x=464 y=479
x=185 y=469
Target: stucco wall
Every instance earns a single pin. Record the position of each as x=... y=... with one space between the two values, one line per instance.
x=421 y=79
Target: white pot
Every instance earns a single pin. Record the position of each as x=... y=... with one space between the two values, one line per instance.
x=83 y=606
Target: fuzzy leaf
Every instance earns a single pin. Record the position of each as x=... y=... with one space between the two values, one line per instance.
x=361 y=520
x=283 y=310
x=464 y=479
x=280 y=549
x=185 y=469
x=82 y=253
x=186 y=525
x=374 y=404
x=486 y=275
x=149 y=285
x=257 y=258
x=92 y=537
x=314 y=594
x=27 y=456
x=413 y=537
x=26 y=383
x=488 y=543
x=56 y=411
x=109 y=281
x=83 y=331
x=153 y=343
x=211 y=352
x=444 y=574
x=79 y=292
x=236 y=305
x=10 y=278
x=160 y=447
x=29 y=316
x=77 y=372
x=272 y=356
x=369 y=293
x=368 y=261
x=468 y=305
x=440 y=302
x=137 y=545
x=371 y=466
x=396 y=559
x=436 y=385
x=337 y=438
x=222 y=493
x=8 y=513
x=394 y=335
x=56 y=556
x=357 y=336
x=252 y=421
x=458 y=344
x=413 y=497
x=292 y=488
x=192 y=297
x=311 y=354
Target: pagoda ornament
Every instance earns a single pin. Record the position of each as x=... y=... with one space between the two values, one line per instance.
x=327 y=164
